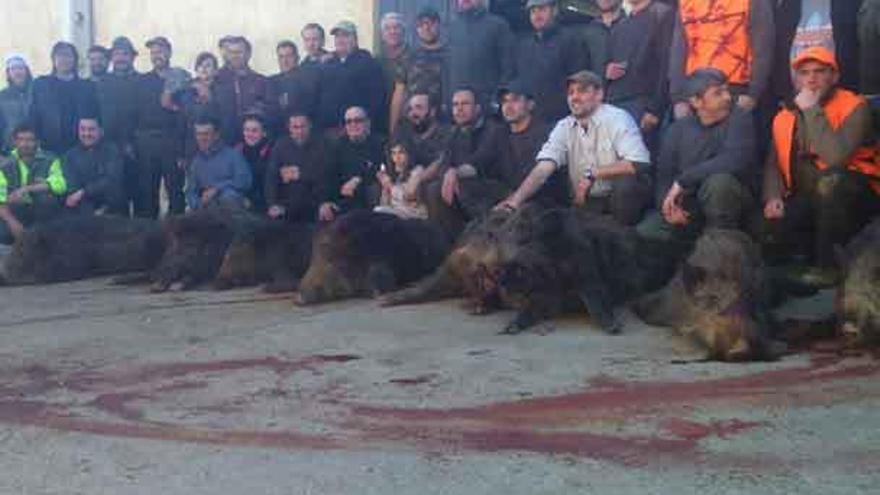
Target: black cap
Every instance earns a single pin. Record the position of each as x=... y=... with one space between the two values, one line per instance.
x=701 y=80
x=160 y=41
x=516 y=87
x=428 y=13
x=123 y=43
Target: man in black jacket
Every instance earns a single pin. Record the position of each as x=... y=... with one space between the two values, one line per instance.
x=93 y=169
x=60 y=99
x=297 y=173
x=117 y=96
x=351 y=78
x=481 y=50
x=547 y=56
x=357 y=157
x=293 y=89
x=159 y=138
x=708 y=164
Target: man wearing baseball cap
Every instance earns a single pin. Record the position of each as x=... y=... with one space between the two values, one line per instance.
x=351 y=78
x=600 y=148
x=707 y=164
x=425 y=70
x=546 y=56
x=822 y=177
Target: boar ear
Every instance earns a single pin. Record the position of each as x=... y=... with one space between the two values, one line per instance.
x=692 y=276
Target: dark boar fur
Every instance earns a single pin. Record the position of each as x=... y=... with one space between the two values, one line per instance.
x=718 y=298
x=575 y=259
x=858 y=298
x=78 y=247
x=368 y=254
x=275 y=254
x=196 y=244
x=471 y=269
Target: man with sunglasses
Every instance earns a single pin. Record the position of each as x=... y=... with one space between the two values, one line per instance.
x=354 y=163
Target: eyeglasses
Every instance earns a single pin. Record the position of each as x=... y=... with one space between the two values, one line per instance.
x=356 y=120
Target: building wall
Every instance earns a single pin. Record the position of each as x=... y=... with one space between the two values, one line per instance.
x=194 y=25
x=30 y=28
x=191 y=25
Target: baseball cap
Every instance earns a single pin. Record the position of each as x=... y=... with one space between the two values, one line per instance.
x=159 y=40
x=701 y=80
x=816 y=54
x=516 y=87
x=586 y=78
x=539 y=3
x=344 y=26
x=428 y=13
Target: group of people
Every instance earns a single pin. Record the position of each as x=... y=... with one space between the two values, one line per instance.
x=671 y=116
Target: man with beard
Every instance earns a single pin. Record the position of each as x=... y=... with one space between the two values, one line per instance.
x=117 y=97
x=425 y=70
x=159 y=138
x=99 y=62
x=601 y=148
x=423 y=133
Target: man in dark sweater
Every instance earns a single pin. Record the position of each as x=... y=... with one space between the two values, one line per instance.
x=159 y=139
x=708 y=166
x=422 y=131
x=293 y=89
x=547 y=56
x=60 y=99
x=481 y=50
x=441 y=181
x=117 y=96
x=239 y=90
x=597 y=32
x=638 y=58
x=351 y=78
x=507 y=156
x=93 y=170
x=357 y=157
x=297 y=173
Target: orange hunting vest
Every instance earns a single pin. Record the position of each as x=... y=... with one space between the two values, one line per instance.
x=717 y=35
x=841 y=105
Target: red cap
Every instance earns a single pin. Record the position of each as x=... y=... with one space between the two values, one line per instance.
x=816 y=54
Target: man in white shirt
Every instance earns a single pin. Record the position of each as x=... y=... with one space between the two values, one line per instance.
x=601 y=148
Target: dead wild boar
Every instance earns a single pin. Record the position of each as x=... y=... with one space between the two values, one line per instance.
x=718 y=297
x=366 y=254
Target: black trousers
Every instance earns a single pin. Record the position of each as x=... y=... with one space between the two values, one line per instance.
x=157 y=154
x=826 y=211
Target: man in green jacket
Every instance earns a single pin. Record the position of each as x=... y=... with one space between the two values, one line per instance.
x=31 y=185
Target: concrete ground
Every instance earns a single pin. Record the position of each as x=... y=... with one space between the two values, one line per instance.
x=107 y=390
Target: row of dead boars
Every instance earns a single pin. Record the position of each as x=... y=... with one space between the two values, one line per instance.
x=537 y=262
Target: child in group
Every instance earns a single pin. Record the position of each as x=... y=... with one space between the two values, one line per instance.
x=398 y=194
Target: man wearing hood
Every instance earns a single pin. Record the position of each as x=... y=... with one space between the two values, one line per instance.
x=15 y=99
